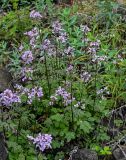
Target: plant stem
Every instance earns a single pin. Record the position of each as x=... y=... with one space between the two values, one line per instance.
x=46 y=72
x=18 y=128
x=2 y=119
x=95 y=84
x=72 y=113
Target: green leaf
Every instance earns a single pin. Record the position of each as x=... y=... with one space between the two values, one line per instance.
x=57 y=117
x=69 y=136
x=85 y=126
x=56 y=144
x=21 y=157
x=73 y=20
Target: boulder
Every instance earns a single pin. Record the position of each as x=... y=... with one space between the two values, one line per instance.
x=3 y=149
x=121 y=1
x=63 y=1
x=119 y=154
x=5 y=80
x=84 y=154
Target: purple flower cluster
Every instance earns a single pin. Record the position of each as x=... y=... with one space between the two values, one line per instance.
x=31 y=94
x=21 y=48
x=102 y=91
x=69 y=69
x=85 y=76
x=85 y=40
x=32 y=35
x=59 y=32
x=97 y=59
x=19 y=89
x=62 y=37
x=69 y=51
x=48 y=47
x=26 y=73
x=27 y=57
x=46 y=44
x=53 y=100
x=120 y=57
x=34 y=93
x=92 y=50
x=62 y=93
x=57 y=27
x=93 y=47
x=7 y=98
x=84 y=29
x=42 y=141
x=33 y=42
x=95 y=44
x=35 y=14
x=52 y=51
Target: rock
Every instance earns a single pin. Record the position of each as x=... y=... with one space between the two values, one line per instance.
x=63 y=1
x=118 y=154
x=5 y=80
x=121 y=1
x=113 y=132
x=84 y=154
x=3 y=149
x=121 y=10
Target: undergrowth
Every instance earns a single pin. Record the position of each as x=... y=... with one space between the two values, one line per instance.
x=69 y=89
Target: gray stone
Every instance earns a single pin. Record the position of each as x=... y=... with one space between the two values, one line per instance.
x=84 y=154
x=118 y=154
x=120 y=1
x=62 y=1
x=3 y=149
x=113 y=132
x=5 y=80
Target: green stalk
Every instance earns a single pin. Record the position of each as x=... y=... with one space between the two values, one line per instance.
x=46 y=73
x=72 y=113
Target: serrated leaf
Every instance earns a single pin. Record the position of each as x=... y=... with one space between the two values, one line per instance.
x=57 y=117
x=69 y=136
x=85 y=126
